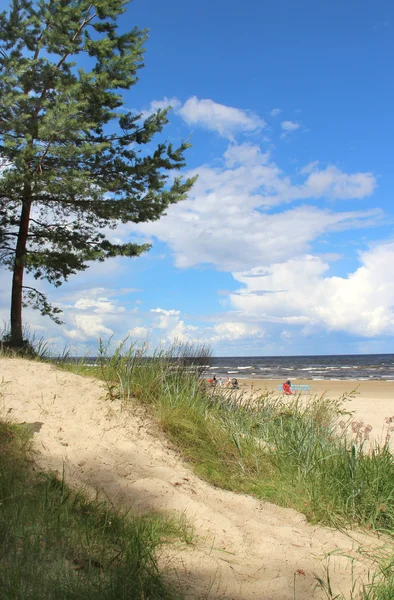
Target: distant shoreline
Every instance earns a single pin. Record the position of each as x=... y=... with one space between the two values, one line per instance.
x=378 y=389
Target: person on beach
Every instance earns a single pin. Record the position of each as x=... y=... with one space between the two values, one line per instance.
x=213 y=381
x=234 y=383
x=287 y=388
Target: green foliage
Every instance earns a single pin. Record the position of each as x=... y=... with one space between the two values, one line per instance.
x=292 y=452
x=57 y=544
x=73 y=163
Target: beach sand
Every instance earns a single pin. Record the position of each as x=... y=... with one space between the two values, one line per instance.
x=245 y=550
x=371 y=401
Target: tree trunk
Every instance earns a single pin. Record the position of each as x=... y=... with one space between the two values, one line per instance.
x=19 y=268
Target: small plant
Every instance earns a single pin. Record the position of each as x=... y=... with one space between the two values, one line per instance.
x=376 y=584
x=33 y=346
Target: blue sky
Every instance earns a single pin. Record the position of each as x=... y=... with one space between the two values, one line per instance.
x=285 y=245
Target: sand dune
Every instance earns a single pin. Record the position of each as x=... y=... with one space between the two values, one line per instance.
x=246 y=549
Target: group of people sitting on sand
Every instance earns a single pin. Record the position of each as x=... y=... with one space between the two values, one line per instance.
x=230 y=382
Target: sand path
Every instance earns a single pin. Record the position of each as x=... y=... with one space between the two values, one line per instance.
x=246 y=549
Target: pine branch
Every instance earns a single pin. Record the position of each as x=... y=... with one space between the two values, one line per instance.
x=77 y=33
x=63 y=59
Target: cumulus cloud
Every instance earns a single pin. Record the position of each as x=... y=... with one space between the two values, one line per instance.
x=178 y=330
x=224 y=120
x=181 y=332
x=87 y=327
x=289 y=126
x=275 y=112
x=167 y=318
x=168 y=313
x=156 y=105
x=169 y=327
x=139 y=332
x=334 y=184
x=299 y=291
x=233 y=330
x=101 y=305
x=225 y=221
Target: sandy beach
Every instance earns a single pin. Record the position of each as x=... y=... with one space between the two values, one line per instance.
x=371 y=390
x=371 y=401
x=246 y=549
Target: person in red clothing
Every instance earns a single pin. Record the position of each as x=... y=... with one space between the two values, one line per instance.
x=287 y=388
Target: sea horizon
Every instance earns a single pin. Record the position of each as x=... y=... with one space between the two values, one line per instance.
x=318 y=367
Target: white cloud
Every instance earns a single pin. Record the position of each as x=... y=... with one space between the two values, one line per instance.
x=168 y=313
x=245 y=154
x=74 y=334
x=233 y=330
x=87 y=327
x=275 y=112
x=224 y=120
x=156 y=105
x=167 y=319
x=181 y=332
x=289 y=126
x=299 y=291
x=139 y=332
x=174 y=328
x=309 y=168
x=224 y=221
x=101 y=305
x=333 y=183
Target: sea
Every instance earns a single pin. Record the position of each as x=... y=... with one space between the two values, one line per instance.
x=366 y=367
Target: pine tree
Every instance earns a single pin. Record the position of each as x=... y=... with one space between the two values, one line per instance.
x=71 y=159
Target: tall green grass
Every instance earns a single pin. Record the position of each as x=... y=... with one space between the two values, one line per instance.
x=296 y=453
x=57 y=544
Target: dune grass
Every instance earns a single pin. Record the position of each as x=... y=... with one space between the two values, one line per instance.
x=56 y=543
x=306 y=455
